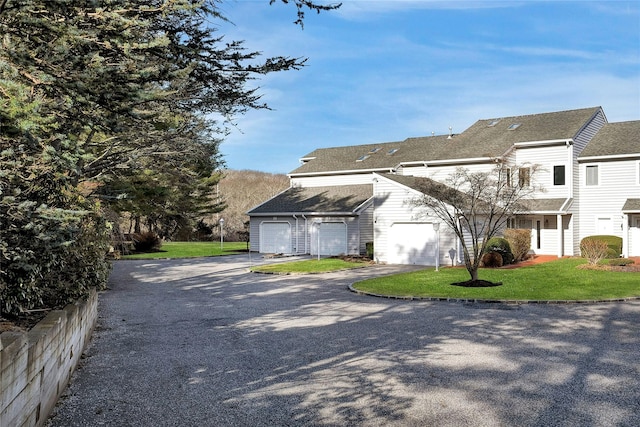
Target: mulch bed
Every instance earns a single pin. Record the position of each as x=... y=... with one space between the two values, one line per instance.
x=477 y=284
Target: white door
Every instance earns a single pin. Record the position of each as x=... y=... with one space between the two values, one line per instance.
x=331 y=237
x=275 y=238
x=604 y=226
x=635 y=237
x=412 y=244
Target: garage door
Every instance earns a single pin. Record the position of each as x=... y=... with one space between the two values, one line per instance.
x=332 y=239
x=275 y=238
x=412 y=244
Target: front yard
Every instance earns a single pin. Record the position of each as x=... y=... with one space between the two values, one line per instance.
x=551 y=281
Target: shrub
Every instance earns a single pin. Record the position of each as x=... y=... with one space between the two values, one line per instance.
x=369 y=248
x=501 y=246
x=520 y=242
x=146 y=242
x=492 y=259
x=613 y=243
x=620 y=262
x=593 y=250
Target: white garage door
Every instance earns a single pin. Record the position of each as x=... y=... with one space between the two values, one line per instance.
x=275 y=238
x=332 y=239
x=412 y=244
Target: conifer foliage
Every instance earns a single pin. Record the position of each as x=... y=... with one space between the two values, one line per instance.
x=98 y=100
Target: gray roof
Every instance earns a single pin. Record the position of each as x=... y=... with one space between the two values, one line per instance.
x=479 y=140
x=615 y=139
x=631 y=205
x=329 y=200
x=546 y=205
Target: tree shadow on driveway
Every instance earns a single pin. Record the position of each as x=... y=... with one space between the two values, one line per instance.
x=206 y=343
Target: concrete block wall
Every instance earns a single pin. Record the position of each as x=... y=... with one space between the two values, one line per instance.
x=36 y=366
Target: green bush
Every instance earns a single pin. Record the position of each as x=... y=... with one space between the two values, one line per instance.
x=146 y=242
x=369 y=249
x=614 y=245
x=620 y=262
x=501 y=246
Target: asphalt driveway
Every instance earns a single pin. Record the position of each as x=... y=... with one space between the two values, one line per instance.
x=206 y=343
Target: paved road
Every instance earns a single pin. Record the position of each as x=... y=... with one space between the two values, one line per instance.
x=206 y=343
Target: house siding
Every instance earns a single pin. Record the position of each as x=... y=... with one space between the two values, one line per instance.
x=545 y=158
x=333 y=180
x=616 y=183
x=366 y=227
x=392 y=204
x=580 y=141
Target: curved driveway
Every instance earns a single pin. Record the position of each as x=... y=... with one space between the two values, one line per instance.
x=206 y=343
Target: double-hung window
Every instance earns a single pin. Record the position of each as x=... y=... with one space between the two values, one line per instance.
x=559 y=175
x=591 y=174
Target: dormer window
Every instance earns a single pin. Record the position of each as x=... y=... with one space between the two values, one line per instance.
x=514 y=126
x=493 y=122
x=362 y=158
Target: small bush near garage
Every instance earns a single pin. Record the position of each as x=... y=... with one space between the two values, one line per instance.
x=519 y=241
x=369 y=249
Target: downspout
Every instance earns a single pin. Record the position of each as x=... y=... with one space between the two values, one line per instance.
x=297 y=235
x=306 y=233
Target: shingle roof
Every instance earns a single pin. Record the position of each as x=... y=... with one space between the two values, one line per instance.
x=480 y=140
x=631 y=205
x=614 y=139
x=531 y=205
x=335 y=199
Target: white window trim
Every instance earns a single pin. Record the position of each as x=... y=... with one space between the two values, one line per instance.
x=598 y=175
x=566 y=175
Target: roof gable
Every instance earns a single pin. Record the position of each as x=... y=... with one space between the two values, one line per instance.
x=306 y=200
x=614 y=139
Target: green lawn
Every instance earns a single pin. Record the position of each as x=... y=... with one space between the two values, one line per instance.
x=323 y=265
x=191 y=250
x=556 y=280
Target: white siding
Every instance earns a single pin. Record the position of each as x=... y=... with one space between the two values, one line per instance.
x=333 y=180
x=617 y=183
x=579 y=143
x=392 y=205
x=366 y=228
x=546 y=158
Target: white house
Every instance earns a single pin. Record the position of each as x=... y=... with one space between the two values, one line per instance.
x=343 y=197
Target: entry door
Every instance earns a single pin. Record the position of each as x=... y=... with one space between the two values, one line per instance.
x=635 y=237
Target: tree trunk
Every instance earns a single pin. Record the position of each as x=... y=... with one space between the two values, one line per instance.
x=473 y=272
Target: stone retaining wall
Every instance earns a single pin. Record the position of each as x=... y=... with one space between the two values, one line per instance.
x=36 y=366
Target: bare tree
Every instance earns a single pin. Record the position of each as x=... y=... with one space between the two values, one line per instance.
x=477 y=205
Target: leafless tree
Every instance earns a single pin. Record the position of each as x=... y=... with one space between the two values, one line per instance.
x=477 y=205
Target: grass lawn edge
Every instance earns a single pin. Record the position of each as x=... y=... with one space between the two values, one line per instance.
x=489 y=301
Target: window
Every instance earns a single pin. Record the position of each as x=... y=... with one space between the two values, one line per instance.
x=524 y=177
x=592 y=175
x=508 y=176
x=514 y=126
x=362 y=158
x=374 y=150
x=493 y=122
x=559 y=175
x=392 y=151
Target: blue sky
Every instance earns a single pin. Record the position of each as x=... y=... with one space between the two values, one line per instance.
x=382 y=71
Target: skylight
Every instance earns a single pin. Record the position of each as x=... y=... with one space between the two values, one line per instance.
x=362 y=158
x=392 y=151
x=493 y=122
x=514 y=126
x=375 y=150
